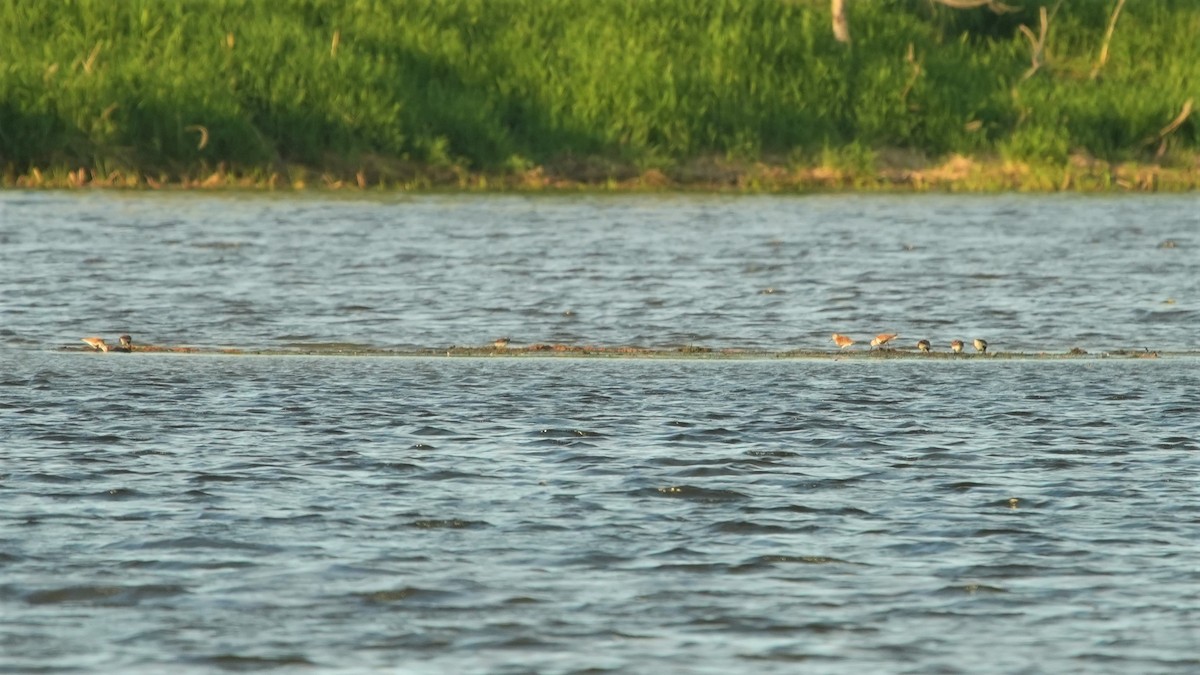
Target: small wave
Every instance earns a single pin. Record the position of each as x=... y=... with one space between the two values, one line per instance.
x=239 y=662
x=404 y=594
x=694 y=493
x=103 y=594
x=219 y=245
x=750 y=527
x=216 y=478
x=201 y=542
x=1178 y=443
x=970 y=589
x=97 y=439
x=773 y=560
x=119 y=493
x=772 y=453
x=705 y=437
x=567 y=433
x=447 y=524
x=432 y=431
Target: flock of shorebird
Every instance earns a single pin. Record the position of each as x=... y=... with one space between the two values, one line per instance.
x=842 y=341
x=882 y=339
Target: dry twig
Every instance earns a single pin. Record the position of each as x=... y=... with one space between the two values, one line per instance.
x=841 y=29
x=1161 y=137
x=203 y=134
x=1037 y=43
x=90 y=63
x=916 y=73
x=1112 y=26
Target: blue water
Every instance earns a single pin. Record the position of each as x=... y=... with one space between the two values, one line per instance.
x=1025 y=273
x=202 y=513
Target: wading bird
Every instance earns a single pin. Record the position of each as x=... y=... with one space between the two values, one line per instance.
x=501 y=343
x=923 y=345
x=96 y=343
x=980 y=345
x=956 y=346
x=126 y=344
x=842 y=341
x=883 y=338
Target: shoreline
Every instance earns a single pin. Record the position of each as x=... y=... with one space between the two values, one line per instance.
x=691 y=353
x=895 y=173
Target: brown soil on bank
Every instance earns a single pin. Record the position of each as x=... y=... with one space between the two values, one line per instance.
x=891 y=171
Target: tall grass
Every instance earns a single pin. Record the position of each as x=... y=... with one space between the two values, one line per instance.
x=509 y=84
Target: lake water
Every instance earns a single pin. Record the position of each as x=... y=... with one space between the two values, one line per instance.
x=1026 y=273
x=200 y=513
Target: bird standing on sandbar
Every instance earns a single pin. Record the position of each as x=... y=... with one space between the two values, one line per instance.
x=980 y=345
x=923 y=345
x=501 y=343
x=883 y=338
x=956 y=346
x=97 y=343
x=842 y=341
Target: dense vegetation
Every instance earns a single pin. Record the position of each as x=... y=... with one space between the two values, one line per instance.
x=594 y=87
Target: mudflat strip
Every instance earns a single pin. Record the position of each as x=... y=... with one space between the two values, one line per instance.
x=634 y=352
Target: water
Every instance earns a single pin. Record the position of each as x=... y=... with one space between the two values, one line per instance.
x=331 y=514
x=1026 y=273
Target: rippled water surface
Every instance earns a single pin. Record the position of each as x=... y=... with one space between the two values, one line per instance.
x=1027 y=273
x=201 y=513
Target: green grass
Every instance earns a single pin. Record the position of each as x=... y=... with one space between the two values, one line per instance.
x=507 y=85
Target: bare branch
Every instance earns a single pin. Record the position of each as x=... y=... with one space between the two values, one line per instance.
x=1161 y=137
x=1038 y=44
x=91 y=60
x=841 y=29
x=203 y=134
x=1112 y=26
x=1178 y=121
x=911 y=57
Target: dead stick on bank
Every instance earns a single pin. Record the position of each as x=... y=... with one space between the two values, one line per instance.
x=1037 y=44
x=841 y=28
x=911 y=57
x=1161 y=138
x=1112 y=26
x=203 y=134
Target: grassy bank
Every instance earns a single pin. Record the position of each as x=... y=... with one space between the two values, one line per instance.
x=543 y=93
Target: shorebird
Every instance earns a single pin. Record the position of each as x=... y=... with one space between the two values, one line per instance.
x=842 y=341
x=501 y=343
x=980 y=345
x=883 y=338
x=96 y=343
x=923 y=345
x=126 y=344
x=956 y=346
